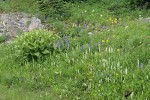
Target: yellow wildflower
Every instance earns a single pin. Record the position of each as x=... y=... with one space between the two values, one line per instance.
x=115 y=20
x=103 y=41
x=110 y=19
x=107 y=40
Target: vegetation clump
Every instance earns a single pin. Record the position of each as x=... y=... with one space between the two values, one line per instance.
x=35 y=44
x=3 y=38
x=54 y=8
x=140 y=3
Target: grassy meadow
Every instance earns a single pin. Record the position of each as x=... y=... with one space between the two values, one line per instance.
x=106 y=56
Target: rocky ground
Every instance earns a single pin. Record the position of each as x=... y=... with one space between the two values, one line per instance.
x=12 y=24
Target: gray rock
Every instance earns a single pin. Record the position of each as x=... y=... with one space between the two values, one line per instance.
x=15 y=23
x=147 y=19
x=35 y=24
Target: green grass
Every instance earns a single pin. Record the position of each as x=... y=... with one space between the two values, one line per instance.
x=117 y=67
x=19 y=93
x=111 y=64
x=28 y=6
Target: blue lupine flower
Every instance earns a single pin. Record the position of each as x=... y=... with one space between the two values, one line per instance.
x=99 y=42
x=89 y=44
x=61 y=35
x=58 y=44
x=85 y=26
x=82 y=47
x=141 y=65
x=67 y=42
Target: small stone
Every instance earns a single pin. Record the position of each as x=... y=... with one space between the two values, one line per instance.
x=90 y=33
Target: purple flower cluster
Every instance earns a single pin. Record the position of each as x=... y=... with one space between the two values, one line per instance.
x=65 y=44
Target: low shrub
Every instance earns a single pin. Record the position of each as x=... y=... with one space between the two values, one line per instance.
x=54 y=8
x=34 y=45
x=139 y=3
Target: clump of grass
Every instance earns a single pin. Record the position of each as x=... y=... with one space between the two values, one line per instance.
x=3 y=38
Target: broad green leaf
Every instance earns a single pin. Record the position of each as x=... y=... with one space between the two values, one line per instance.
x=46 y=51
x=37 y=54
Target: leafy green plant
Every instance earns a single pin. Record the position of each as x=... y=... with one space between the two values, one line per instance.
x=34 y=45
x=3 y=38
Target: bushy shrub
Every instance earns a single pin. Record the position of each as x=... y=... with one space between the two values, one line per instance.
x=54 y=8
x=139 y=3
x=35 y=44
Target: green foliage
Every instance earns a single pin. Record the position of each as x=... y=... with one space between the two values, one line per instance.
x=3 y=38
x=54 y=8
x=28 y=6
x=34 y=45
x=140 y=3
